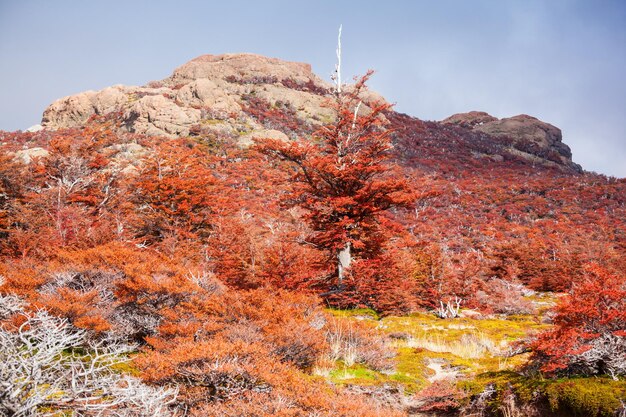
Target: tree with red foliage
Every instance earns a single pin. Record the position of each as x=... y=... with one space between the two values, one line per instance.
x=177 y=192
x=590 y=328
x=343 y=179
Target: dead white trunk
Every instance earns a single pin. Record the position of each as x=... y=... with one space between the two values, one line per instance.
x=344 y=259
x=337 y=75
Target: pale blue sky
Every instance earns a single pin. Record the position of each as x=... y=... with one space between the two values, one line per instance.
x=563 y=61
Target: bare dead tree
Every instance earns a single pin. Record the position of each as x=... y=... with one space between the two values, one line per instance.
x=48 y=367
x=337 y=75
x=450 y=309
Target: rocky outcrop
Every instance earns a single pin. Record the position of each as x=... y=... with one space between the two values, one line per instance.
x=239 y=97
x=75 y=110
x=211 y=94
x=524 y=128
x=529 y=137
x=471 y=119
x=26 y=156
x=209 y=88
x=242 y=67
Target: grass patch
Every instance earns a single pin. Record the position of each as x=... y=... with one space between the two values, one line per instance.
x=356 y=375
x=477 y=347
x=472 y=345
x=357 y=313
x=506 y=328
x=411 y=369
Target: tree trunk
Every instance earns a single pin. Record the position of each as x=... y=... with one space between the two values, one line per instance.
x=344 y=258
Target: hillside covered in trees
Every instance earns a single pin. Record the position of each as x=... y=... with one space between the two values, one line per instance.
x=244 y=239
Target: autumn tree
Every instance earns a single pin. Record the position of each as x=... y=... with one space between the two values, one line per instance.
x=343 y=178
x=589 y=336
x=176 y=193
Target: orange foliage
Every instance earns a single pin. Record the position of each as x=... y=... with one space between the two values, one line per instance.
x=207 y=258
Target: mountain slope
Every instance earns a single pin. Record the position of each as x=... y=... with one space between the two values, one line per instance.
x=146 y=214
x=239 y=96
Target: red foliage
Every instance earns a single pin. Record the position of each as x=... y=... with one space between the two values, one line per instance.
x=79 y=307
x=441 y=397
x=239 y=352
x=343 y=179
x=590 y=325
x=187 y=248
x=382 y=283
x=279 y=115
x=176 y=193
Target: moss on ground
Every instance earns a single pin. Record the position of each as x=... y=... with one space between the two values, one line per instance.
x=357 y=313
x=505 y=328
x=421 y=338
x=581 y=396
x=593 y=397
x=356 y=375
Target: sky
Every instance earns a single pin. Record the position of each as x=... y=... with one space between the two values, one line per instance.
x=562 y=61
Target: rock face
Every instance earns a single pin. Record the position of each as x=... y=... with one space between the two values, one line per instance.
x=157 y=115
x=74 y=110
x=26 y=156
x=529 y=136
x=471 y=119
x=240 y=97
x=242 y=66
x=210 y=90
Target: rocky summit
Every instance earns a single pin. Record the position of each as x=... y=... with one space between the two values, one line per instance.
x=212 y=91
x=218 y=95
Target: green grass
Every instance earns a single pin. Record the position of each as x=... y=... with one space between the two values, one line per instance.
x=366 y=313
x=477 y=347
x=470 y=345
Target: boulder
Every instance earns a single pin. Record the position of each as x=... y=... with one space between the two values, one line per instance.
x=74 y=111
x=205 y=93
x=530 y=137
x=26 y=156
x=470 y=119
x=69 y=111
x=523 y=128
x=34 y=129
x=159 y=116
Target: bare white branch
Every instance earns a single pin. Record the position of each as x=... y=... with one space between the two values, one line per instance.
x=450 y=309
x=48 y=367
x=338 y=65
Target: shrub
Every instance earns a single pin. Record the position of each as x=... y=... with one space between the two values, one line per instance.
x=48 y=367
x=589 y=336
x=441 y=396
x=353 y=343
x=504 y=297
